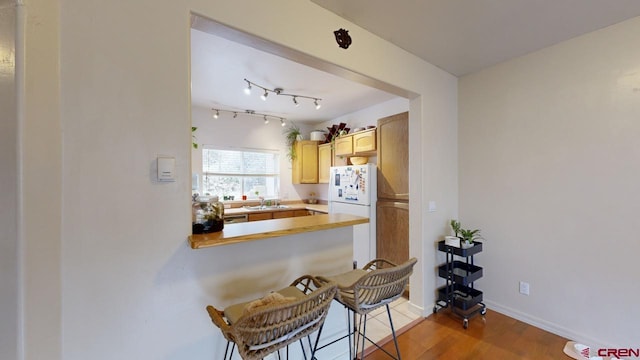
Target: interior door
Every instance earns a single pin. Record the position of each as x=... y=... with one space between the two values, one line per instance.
x=392 y=233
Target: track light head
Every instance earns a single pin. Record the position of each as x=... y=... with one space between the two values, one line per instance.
x=216 y=114
x=317 y=104
x=266 y=121
x=282 y=122
x=295 y=101
x=235 y=115
x=264 y=96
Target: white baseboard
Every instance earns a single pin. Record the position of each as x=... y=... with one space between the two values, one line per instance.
x=546 y=325
x=418 y=310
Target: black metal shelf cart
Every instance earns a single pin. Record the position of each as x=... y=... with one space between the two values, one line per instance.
x=459 y=293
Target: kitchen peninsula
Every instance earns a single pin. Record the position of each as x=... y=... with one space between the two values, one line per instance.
x=259 y=230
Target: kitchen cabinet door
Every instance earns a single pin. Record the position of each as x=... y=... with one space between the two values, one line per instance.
x=261 y=216
x=283 y=214
x=304 y=167
x=364 y=141
x=344 y=145
x=393 y=157
x=324 y=163
x=392 y=231
x=297 y=213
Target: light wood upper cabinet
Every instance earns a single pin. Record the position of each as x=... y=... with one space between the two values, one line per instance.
x=325 y=158
x=344 y=145
x=364 y=141
x=393 y=157
x=304 y=167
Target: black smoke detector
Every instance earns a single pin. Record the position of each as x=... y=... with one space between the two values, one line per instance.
x=342 y=38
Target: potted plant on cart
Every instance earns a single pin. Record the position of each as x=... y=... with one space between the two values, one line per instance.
x=466 y=236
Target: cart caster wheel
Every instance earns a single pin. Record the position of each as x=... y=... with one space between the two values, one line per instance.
x=465 y=323
x=483 y=311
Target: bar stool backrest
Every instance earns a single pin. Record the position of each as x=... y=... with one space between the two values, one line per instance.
x=264 y=331
x=381 y=285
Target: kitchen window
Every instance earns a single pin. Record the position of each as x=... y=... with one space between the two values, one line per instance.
x=238 y=172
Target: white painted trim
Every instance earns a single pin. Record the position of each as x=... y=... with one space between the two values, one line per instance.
x=21 y=19
x=418 y=310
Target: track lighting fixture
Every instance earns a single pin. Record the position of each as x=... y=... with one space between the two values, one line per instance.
x=280 y=91
x=265 y=117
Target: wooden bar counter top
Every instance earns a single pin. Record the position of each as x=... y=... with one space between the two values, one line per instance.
x=258 y=230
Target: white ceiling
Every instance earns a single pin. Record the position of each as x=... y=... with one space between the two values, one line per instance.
x=219 y=67
x=464 y=36
x=459 y=36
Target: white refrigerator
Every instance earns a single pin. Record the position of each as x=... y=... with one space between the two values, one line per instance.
x=352 y=190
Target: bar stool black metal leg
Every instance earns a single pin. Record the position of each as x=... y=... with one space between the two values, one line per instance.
x=393 y=332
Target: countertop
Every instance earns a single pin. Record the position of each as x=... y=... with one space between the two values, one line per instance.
x=298 y=206
x=265 y=229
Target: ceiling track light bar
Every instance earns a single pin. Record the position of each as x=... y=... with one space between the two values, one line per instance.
x=279 y=91
x=216 y=114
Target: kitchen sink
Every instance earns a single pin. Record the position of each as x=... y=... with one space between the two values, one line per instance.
x=265 y=207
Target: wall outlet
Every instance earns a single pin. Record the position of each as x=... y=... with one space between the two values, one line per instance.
x=524 y=288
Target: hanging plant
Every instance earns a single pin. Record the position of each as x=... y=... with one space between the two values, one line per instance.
x=292 y=133
x=193 y=137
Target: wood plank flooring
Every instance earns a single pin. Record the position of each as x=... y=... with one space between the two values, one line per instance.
x=441 y=336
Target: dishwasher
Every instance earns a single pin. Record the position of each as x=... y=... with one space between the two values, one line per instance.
x=236 y=218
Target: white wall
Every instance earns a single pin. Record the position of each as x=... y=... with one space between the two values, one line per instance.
x=549 y=171
x=107 y=271
x=8 y=186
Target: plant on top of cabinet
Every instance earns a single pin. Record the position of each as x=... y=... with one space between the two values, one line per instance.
x=335 y=131
x=292 y=133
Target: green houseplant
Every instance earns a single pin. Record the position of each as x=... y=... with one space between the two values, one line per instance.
x=466 y=236
x=292 y=133
x=193 y=137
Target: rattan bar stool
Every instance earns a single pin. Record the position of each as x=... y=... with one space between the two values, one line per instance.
x=361 y=291
x=265 y=326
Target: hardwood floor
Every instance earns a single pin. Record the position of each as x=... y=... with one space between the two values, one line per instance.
x=441 y=336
